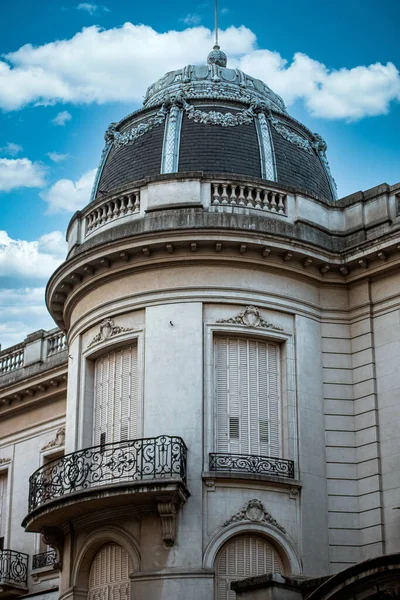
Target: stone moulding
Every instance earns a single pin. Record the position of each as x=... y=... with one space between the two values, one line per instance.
x=5 y=461
x=251 y=317
x=58 y=441
x=116 y=138
x=254 y=511
x=108 y=329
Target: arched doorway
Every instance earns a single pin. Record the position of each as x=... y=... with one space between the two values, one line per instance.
x=109 y=574
x=244 y=556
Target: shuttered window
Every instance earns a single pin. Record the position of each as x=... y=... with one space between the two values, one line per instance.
x=247 y=396
x=116 y=400
x=3 y=507
x=244 y=556
x=109 y=574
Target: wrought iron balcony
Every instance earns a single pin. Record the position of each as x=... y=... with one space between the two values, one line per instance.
x=45 y=559
x=163 y=457
x=252 y=463
x=13 y=570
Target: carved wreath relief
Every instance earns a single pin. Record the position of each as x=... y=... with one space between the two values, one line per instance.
x=254 y=510
x=251 y=317
x=108 y=329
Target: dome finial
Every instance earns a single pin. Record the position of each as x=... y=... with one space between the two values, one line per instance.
x=216 y=56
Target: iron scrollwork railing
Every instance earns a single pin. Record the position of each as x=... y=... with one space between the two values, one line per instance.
x=13 y=568
x=45 y=559
x=251 y=463
x=134 y=460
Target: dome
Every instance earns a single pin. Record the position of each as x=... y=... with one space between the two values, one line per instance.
x=214 y=119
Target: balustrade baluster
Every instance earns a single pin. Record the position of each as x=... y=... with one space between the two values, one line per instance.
x=137 y=203
x=233 y=195
x=241 y=196
x=215 y=193
x=258 y=198
x=224 y=194
x=281 y=206
x=273 y=202
x=249 y=197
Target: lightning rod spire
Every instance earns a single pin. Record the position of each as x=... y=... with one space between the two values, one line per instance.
x=216 y=56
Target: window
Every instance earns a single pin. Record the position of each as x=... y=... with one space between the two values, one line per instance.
x=247 y=396
x=3 y=507
x=116 y=403
x=244 y=556
x=109 y=574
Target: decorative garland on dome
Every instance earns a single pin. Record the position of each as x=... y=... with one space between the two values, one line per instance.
x=242 y=117
x=116 y=138
x=290 y=135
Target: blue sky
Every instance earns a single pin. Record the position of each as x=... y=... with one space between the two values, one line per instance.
x=68 y=69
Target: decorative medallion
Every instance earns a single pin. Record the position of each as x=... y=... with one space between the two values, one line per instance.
x=108 y=329
x=4 y=461
x=58 y=441
x=251 y=317
x=254 y=511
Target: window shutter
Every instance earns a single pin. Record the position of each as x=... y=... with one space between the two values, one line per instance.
x=274 y=401
x=3 y=503
x=109 y=574
x=244 y=556
x=116 y=399
x=247 y=396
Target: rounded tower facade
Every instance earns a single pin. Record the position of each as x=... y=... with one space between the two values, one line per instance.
x=194 y=296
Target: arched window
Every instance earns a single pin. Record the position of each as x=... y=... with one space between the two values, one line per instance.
x=241 y=557
x=116 y=398
x=109 y=574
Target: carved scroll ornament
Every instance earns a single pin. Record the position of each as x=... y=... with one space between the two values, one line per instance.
x=251 y=317
x=254 y=511
x=108 y=329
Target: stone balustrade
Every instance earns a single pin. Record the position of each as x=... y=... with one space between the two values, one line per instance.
x=56 y=343
x=12 y=360
x=112 y=209
x=248 y=196
x=36 y=348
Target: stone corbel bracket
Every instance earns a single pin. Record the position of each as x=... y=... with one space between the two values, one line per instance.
x=52 y=536
x=167 y=512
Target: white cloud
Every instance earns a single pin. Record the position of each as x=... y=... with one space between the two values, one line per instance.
x=61 y=118
x=92 y=67
x=57 y=157
x=19 y=173
x=334 y=94
x=31 y=260
x=11 y=149
x=92 y=9
x=224 y=11
x=67 y=195
x=191 y=19
x=22 y=310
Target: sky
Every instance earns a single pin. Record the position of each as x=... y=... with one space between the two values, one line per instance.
x=68 y=69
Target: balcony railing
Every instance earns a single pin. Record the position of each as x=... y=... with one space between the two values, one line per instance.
x=45 y=559
x=163 y=457
x=13 y=568
x=251 y=463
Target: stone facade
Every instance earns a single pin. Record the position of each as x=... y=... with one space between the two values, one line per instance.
x=192 y=301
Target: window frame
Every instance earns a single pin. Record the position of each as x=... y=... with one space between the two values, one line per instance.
x=288 y=403
x=89 y=357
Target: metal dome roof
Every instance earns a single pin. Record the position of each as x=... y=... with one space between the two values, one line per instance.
x=214 y=119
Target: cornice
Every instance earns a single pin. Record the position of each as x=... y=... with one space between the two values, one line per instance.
x=88 y=270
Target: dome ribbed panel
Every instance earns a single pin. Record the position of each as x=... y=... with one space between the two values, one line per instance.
x=298 y=168
x=133 y=161
x=217 y=149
